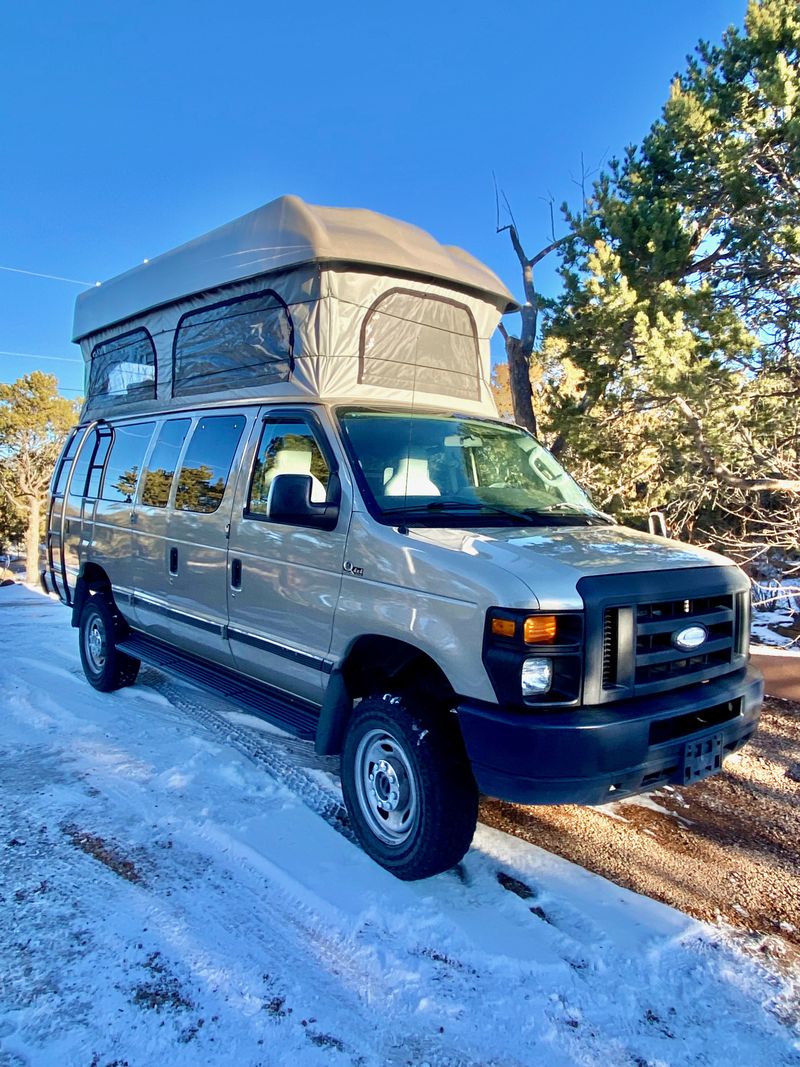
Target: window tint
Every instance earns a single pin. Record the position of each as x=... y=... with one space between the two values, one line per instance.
x=247 y=341
x=163 y=462
x=207 y=463
x=287 y=448
x=123 y=368
x=125 y=461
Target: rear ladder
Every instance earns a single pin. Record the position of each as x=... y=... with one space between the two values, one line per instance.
x=55 y=576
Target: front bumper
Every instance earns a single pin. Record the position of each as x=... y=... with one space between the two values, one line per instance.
x=591 y=755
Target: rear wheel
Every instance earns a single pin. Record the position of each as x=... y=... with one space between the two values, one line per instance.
x=105 y=667
x=408 y=786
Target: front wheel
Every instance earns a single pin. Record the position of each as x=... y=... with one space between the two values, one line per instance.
x=105 y=667
x=408 y=786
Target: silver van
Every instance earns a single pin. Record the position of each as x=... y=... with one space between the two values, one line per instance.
x=290 y=485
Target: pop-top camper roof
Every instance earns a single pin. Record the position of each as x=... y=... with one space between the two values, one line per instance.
x=284 y=233
x=294 y=301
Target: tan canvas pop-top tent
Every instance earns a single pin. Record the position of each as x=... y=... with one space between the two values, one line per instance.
x=291 y=301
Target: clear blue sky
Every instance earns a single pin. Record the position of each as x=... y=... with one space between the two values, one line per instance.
x=127 y=129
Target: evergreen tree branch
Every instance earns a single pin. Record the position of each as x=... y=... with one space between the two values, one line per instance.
x=722 y=470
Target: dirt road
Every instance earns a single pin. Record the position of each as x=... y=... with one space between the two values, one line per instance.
x=726 y=848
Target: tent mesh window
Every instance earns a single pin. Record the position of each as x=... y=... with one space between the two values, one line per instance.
x=414 y=341
x=123 y=369
x=243 y=342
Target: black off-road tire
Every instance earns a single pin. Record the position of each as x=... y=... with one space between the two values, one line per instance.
x=416 y=816
x=105 y=667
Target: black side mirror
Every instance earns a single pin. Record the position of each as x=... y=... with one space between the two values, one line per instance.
x=290 y=502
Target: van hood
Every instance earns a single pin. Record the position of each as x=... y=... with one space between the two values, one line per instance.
x=551 y=560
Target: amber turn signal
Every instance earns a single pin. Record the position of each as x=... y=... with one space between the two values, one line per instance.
x=504 y=627
x=540 y=630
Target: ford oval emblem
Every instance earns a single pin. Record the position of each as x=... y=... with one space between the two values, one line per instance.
x=690 y=638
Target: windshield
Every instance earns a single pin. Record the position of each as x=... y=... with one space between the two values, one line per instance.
x=438 y=469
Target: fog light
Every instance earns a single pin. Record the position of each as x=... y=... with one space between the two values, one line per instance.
x=537 y=674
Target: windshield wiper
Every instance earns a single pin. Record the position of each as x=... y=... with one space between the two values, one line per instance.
x=458 y=505
x=529 y=516
x=573 y=509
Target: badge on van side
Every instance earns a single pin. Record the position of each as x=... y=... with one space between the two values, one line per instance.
x=349 y=568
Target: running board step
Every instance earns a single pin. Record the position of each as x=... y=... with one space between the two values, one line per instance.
x=294 y=716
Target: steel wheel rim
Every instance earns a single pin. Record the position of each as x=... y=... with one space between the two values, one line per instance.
x=386 y=787
x=95 y=645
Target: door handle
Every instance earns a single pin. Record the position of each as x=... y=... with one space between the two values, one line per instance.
x=236 y=574
x=173 y=561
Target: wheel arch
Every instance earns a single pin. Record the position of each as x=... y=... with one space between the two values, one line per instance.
x=91 y=579
x=374 y=662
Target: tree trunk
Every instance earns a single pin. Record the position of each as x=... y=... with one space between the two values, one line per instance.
x=520 y=349
x=32 y=540
x=520 y=382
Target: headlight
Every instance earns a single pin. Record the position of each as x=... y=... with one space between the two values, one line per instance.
x=537 y=675
x=532 y=658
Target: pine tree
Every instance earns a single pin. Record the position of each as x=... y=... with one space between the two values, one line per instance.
x=678 y=324
x=34 y=421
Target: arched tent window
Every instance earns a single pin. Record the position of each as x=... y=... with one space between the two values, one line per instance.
x=416 y=341
x=246 y=341
x=122 y=368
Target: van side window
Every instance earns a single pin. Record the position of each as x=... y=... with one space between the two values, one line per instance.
x=244 y=341
x=207 y=463
x=90 y=463
x=287 y=448
x=100 y=455
x=123 y=369
x=164 y=462
x=125 y=461
x=412 y=340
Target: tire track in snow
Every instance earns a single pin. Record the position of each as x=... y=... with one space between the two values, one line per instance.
x=347 y=965
x=360 y=958
x=295 y=765
x=360 y=965
x=286 y=759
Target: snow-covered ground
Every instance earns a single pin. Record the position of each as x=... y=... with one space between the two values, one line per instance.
x=178 y=886
x=775 y=604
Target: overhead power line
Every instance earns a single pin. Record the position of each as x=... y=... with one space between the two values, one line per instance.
x=34 y=355
x=51 y=277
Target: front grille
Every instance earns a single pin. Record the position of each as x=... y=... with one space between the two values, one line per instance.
x=657 y=659
x=632 y=621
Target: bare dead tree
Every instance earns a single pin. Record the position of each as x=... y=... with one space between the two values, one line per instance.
x=519 y=350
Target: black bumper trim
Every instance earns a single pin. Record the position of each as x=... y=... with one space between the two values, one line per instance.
x=591 y=755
